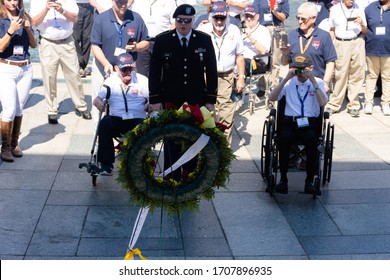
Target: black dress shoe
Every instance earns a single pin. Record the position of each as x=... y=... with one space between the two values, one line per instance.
x=52 y=119
x=282 y=188
x=85 y=114
x=309 y=188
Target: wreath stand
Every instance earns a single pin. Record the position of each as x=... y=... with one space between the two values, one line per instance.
x=150 y=188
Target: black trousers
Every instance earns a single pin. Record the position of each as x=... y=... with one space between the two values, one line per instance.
x=288 y=134
x=82 y=33
x=110 y=127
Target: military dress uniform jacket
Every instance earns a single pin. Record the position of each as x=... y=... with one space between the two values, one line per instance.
x=179 y=76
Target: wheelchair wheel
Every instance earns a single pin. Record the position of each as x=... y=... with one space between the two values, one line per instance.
x=269 y=155
x=327 y=169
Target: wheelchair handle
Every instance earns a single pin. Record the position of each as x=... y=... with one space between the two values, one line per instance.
x=326 y=115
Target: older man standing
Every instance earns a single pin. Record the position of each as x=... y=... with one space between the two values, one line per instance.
x=347 y=25
x=229 y=50
x=54 y=21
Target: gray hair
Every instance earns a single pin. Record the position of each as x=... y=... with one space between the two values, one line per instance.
x=309 y=8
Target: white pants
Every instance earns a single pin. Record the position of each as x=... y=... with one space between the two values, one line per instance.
x=15 y=85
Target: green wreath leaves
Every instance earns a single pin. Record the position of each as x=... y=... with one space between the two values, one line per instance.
x=137 y=163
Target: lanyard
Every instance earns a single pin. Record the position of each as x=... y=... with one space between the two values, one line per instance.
x=381 y=16
x=124 y=97
x=119 y=28
x=303 y=50
x=220 y=45
x=302 y=100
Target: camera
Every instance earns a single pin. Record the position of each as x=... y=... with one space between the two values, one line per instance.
x=235 y=97
x=243 y=26
x=131 y=41
x=284 y=40
x=21 y=13
x=299 y=71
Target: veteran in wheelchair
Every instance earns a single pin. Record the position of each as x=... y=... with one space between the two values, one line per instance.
x=257 y=54
x=300 y=120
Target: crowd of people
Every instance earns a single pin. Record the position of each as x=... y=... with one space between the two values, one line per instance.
x=181 y=62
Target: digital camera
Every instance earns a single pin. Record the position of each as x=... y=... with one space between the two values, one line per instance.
x=299 y=71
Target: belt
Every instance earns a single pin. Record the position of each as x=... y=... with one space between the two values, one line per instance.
x=294 y=118
x=16 y=63
x=348 y=39
x=60 y=41
x=225 y=74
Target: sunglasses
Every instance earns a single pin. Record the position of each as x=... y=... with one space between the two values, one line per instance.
x=304 y=20
x=121 y=3
x=248 y=16
x=219 y=18
x=127 y=69
x=184 y=20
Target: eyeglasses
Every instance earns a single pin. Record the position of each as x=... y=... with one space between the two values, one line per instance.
x=219 y=18
x=304 y=20
x=184 y=20
x=127 y=69
x=249 y=16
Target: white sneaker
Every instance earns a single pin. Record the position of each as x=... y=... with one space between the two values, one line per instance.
x=368 y=108
x=386 y=109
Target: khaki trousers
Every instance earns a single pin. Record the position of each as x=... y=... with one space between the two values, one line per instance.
x=55 y=53
x=378 y=65
x=349 y=73
x=225 y=106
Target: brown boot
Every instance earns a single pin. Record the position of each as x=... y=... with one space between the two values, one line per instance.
x=6 y=153
x=15 y=149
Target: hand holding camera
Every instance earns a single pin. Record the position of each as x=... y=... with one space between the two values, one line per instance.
x=131 y=44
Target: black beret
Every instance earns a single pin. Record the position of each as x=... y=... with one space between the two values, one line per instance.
x=184 y=10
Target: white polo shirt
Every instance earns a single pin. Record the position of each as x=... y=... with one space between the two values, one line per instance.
x=227 y=47
x=157 y=14
x=262 y=35
x=54 y=26
x=338 y=19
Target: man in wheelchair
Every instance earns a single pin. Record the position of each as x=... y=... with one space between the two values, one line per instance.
x=301 y=121
x=125 y=96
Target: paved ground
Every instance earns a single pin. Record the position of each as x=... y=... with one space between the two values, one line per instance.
x=50 y=210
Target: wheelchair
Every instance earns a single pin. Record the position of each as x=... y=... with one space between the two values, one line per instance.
x=253 y=75
x=269 y=150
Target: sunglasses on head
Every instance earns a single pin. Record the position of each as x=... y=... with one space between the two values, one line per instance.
x=184 y=20
x=249 y=16
x=304 y=20
x=219 y=18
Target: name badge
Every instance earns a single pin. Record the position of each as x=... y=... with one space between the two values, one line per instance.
x=127 y=116
x=302 y=122
x=18 y=50
x=268 y=17
x=380 y=30
x=119 y=51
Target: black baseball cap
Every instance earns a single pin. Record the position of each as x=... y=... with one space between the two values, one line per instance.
x=184 y=10
x=301 y=61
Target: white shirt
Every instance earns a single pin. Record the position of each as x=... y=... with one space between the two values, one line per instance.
x=136 y=95
x=157 y=14
x=105 y=4
x=227 y=47
x=54 y=26
x=338 y=19
x=233 y=11
x=295 y=91
x=262 y=36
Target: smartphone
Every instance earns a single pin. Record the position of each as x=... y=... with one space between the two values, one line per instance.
x=131 y=41
x=284 y=39
x=21 y=13
x=351 y=19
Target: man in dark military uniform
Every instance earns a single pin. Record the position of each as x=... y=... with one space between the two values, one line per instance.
x=180 y=73
x=183 y=68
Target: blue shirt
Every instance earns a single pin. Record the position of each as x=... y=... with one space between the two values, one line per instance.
x=377 y=45
x=20 y=38
x=108 y=34
x=319 y=47
x=283 y=7
x=324 y=12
